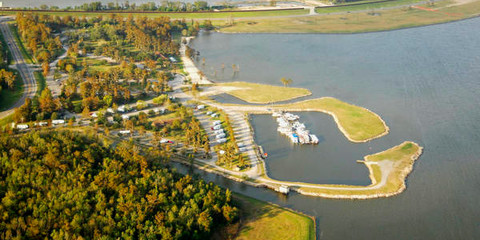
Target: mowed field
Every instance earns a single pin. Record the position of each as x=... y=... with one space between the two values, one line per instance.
x=263 y=221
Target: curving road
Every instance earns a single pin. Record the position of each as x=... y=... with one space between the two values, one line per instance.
x=29 y=82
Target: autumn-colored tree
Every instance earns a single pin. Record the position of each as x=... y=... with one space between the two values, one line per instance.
x=45 y=68
x=47 y=103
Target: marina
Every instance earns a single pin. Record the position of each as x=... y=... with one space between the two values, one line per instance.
x=289 y=126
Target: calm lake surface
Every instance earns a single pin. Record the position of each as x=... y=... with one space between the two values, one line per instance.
x=424 y=82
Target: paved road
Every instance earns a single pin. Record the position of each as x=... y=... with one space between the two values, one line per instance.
x=29 y=82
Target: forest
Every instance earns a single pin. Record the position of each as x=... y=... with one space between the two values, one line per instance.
x=72 y=185
x=164 y=6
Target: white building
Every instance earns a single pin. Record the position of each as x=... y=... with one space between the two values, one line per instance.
x=58 y=121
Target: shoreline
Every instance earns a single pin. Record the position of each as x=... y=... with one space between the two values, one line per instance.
x=258 y=176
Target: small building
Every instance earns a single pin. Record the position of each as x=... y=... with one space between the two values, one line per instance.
x=221 y=152
x=125 y=132
x=41 y=124
x=217 y=127
x=125 y=117
x=172 y=59
x=219 y=131
x=22 y=126
x=199 y=107
x=214 y=115
x=110 y=110
x=121 y=109
x=58 y=121
x=221 y=135
x=217 y=122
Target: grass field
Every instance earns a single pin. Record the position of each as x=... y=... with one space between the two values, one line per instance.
x=262 y=93
x=41 y=83
x=357 y=123
x=264 y=221
x=359 y=22
x=402 y=158
x=366 y=6
x=180 y=15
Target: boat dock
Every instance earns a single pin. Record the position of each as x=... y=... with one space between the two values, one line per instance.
x=289 y=126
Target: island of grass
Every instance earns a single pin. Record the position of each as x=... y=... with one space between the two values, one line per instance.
x=388 y=171
x=262 y=93
x=263 y=221
x=356 y=123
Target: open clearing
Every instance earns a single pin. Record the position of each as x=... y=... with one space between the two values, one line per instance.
x=264 y=221
x=262 y=93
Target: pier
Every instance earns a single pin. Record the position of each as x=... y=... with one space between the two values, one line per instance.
x=289 y=126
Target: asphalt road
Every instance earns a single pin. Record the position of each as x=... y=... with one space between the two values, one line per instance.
x=29 y=82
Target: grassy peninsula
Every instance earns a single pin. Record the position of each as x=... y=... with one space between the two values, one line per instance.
x=262 y=93
x=388 y=171
x=356 y=123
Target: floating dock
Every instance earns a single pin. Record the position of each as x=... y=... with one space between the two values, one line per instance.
x=289 y=126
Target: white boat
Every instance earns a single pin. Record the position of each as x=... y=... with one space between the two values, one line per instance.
x=313 y=139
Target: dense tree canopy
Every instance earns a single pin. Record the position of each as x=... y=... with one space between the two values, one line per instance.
x=68 y=185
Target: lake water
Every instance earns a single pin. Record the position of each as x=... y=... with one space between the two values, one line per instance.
x=424 y=82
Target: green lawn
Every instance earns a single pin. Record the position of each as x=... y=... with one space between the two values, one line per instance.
x=41 y=83
x=9 y=97
x=263 y=221
x=262 y=93
x=357 y=123
x=352 y=8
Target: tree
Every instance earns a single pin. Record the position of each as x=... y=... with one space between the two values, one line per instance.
x=86 y=112
x=47 y=104
x=45 y=68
